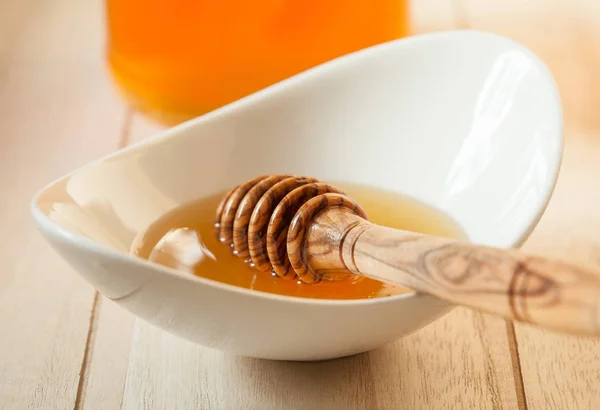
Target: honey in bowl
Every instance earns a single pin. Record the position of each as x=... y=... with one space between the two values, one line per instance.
x=185 y=239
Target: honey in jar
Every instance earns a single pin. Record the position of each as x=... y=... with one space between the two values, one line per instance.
x=178 y=59
x=185 y=239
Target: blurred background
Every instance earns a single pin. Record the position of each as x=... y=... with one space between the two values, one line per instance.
x=82 y=78
x=174 y=60
x=179 y=59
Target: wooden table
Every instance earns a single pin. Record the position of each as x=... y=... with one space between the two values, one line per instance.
x=63 y=346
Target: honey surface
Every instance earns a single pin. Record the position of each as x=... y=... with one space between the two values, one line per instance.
x=185 y=239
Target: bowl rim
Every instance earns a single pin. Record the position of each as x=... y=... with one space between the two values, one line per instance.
x=57 y=232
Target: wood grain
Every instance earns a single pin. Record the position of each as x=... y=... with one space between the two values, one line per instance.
x=277 y=232
x=244 y=213
x=261 y=215
x=226 y=213
x=317 y=236
x=108 y=359
x=254 y=216
x=330 y=238
x=459 y=362
x=54 y=116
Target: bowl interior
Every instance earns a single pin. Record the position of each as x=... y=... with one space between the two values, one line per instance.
x=467 y=122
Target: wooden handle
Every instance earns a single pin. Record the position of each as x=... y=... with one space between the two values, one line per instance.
x=504 y=282
x=298 y=226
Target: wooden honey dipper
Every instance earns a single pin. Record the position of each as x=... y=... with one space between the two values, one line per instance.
x=300 y=228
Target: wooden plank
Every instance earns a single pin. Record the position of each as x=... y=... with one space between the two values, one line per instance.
x=417 y=372
x=152 y=369
x=57 y=112
x=561 y=371
x=460 y=361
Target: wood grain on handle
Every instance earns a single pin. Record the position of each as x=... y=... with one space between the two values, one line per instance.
x=504 y=282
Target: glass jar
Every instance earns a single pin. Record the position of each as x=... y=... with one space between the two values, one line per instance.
x=178 y=59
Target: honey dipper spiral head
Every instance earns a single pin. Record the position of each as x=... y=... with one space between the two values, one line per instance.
x=254 y=219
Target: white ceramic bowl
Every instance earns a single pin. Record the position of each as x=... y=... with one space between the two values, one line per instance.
x=465 y=121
